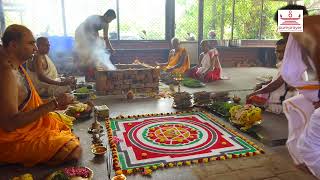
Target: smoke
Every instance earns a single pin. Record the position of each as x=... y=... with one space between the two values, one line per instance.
x=101 y=56
x=92 y=50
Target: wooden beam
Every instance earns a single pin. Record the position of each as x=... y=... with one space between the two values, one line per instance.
x=170 y=19
x=2 y=20
x=261 y=17
x=222 y=19
x=118 y=21
x=64 y=23
x=200 y=25
x=232 y=20
x=214 y=15
x=200 y=21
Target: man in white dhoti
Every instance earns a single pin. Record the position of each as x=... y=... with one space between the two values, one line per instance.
x=89 y=47
x=272 y=95
x=44 y=74
x=302 y=111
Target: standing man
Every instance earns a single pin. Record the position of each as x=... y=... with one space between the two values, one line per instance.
x=90 y=48
x=302 y=111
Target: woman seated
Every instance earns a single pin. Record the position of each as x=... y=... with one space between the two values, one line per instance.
x=209 y=68
x=44 y=74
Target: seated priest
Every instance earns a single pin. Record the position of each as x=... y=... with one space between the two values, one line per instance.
x=276 y=91
x=44 y=74
x=209 y=68
x=30 y=132
x=178 y=60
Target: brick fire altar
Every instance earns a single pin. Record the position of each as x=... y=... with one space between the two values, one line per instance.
x=134 y=77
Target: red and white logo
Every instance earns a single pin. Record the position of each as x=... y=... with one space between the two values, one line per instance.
x=290 y=20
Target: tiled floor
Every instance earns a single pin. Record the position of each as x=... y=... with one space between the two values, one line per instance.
x=274 y=165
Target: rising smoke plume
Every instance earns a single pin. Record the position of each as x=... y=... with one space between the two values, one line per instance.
x=92 y=50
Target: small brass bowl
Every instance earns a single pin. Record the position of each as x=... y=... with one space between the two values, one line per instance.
x=99 y=150
x=96 y=145
x=236 y=99
x=119 y=177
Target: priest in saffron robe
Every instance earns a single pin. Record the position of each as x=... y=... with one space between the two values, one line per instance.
x=30 y=131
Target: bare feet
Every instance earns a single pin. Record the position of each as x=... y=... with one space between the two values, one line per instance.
x=75 y=155
x=60 y=156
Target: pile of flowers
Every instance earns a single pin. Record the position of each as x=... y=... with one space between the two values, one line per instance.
x=77 y=171
x=245 y=116
x=72 y=173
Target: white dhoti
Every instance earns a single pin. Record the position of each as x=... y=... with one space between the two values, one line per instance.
x=298 y=111
x=45 y=89
x=274 y=104
x=309 y=143
x=91 y=50
x=304 y=121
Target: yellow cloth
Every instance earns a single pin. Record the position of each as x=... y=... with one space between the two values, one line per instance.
x=309 y=87
x=38 y=141
x=174 y=60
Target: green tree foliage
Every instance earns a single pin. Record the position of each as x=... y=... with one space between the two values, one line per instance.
x=187 y=21
x=217 y=13
x=269 y=26
x=247 y=19
x=313 y=6
x=218 y=17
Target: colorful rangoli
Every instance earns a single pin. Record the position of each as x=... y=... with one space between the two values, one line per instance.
x=143 y=143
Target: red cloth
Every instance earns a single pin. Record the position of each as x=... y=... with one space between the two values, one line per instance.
x=210 y=76
x=256 y=100
x=192 y=72
x=213 y=75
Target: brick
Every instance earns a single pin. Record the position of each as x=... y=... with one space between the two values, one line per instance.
x=146 y=55
x=119 y=80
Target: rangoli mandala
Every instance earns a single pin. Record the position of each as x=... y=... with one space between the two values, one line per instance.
x=152 y=141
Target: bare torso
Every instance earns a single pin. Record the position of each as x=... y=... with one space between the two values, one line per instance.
x=44 y=62
x=32 y=63
x=23 y=88
x=21 y=82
